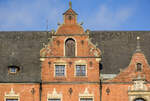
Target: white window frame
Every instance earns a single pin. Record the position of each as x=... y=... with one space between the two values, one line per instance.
x=80 y=68
x=81 y=62
x=75 y=45
x=60 y=63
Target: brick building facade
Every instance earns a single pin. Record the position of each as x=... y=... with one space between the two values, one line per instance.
x=74 y=64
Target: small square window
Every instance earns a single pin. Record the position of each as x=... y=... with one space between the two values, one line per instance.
x=80 y=70
x=86 y=99
x=59 y=70
x=13 y=69
x=53 y=99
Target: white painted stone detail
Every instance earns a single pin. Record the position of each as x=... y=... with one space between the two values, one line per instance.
x=86 y=94
x=11 y=94
x=54 y=95
x=139 y=89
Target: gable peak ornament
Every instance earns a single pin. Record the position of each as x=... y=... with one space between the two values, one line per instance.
x=138 y=48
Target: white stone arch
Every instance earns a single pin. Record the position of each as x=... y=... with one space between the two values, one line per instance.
x=75 y=44
x=144 y=98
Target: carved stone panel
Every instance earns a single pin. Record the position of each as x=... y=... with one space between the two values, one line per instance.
x=139 y=90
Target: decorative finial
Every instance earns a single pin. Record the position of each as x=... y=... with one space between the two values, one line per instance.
x=70 y=4
x=138 y=37
x=138 y=49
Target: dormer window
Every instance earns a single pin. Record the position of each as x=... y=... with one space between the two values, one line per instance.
x=13 y=69
x=139 y=67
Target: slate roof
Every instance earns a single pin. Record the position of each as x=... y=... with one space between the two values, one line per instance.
x=118 y=47
x=23 y=49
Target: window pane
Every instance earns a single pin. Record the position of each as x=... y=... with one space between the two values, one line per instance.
x=53 y=99
x=60 y=70
x=80 y=70
x=139 y=66
x=12 y=69
x=86 y=99
x=11 y=99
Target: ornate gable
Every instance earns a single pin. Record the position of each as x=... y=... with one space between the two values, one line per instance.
x=133 y=70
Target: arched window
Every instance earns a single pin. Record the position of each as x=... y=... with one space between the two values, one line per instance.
x=70 y=47
x=139 y=99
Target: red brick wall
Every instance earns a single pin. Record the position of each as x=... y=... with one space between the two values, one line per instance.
x=92 y=71
x=118 y=92
x=76 y=89
x=24 y=90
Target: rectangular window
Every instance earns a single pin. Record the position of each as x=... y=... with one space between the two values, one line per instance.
x=80 y=70
x=53 y=99
x=86 y=99
x=11 y=99
x=59 y=70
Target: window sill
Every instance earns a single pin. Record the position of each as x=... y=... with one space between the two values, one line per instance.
x=60 y=78
x=81 y=76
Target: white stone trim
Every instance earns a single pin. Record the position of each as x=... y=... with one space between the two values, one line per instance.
x=86 y=94
x=139 y=89
x=75 y=45
x=60 y=63
x=80 y=62
x=54 y=95
x=11 y=95
x=108 y=76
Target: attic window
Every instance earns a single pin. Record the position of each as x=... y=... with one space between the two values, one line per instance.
x=13 y=69
x=139 y=67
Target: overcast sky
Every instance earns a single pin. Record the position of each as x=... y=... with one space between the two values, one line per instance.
x=24 y=15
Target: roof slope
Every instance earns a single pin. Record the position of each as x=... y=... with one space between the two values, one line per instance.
x=21 y=49
x=118 y=47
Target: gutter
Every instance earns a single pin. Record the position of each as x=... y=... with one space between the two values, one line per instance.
x=40 y=92
x=100 y=90
x=100 y=83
